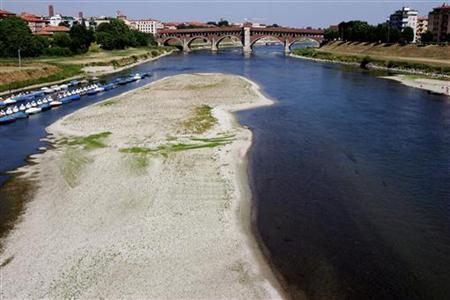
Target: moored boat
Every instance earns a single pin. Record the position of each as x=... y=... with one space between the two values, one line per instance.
x=75 y=97
x=45 y=107
x=55 y=103
x=137 y=76
x=7 y=120
x=65 y=100
x=108 y=86
x=92 y=92
x=33 y=110
x=20 y=115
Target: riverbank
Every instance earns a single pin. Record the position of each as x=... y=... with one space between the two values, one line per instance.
x=144 y=195
x=436 y=68
x=435 y=86
x=431 y=84
x=435 y=55
x=61 y=69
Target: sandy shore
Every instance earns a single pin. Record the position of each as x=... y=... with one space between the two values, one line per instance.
x=432 y=85
x=150 y=207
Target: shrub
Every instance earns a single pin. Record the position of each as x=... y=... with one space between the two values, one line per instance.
x=94 y=47
x=365 y=62
x=57 y=51
x=61 y=39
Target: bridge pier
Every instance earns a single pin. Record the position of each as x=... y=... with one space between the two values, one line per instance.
x=247 y=40
x=214 y=47
x=287 y=48
x=186 y=46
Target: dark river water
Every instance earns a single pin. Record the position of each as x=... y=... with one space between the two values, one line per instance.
x=350 y=173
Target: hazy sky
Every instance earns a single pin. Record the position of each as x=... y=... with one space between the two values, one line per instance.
x=299 y=13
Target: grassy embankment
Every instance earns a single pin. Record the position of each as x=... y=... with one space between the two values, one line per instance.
x=49 y=69
x=430 y=59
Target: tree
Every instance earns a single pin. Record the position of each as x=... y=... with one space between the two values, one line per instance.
x=331 y=34
x=407 y=35
x=81 y=38
x=143 y=39
x=354 y=30
x=394 y=34
x=115 y=35
x=223 y=23
x=427 y=37
x=61 y=39
x=15 y=35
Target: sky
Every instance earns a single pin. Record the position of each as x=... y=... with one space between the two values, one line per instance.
x=295 y=13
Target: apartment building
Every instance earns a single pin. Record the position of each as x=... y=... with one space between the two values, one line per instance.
x=405 y=17
x=438 y=23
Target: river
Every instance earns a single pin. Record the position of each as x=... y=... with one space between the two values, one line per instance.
x=350 y=173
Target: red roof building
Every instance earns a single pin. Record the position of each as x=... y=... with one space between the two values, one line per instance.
x=50 y=30
x=35 y=23
x=5 y=14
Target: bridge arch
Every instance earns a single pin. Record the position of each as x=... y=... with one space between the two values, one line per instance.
x=254 y=41
x=199 y=37
x=302 y=39
x=167 y=39
x=222 y=38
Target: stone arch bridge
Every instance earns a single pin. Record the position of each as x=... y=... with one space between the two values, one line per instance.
x=247 y=35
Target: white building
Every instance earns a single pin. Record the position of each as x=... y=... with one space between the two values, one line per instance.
x=422 y=26
x=56 y=20
x=147 y=26
x=405 y=17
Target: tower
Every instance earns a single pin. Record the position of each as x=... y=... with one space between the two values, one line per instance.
x=51 y=12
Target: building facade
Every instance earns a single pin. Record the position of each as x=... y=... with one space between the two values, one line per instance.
x=146 y=26
x=438 y=23
x=35 y=23
x=422 y=27
x=56 y=20
x=405 y=17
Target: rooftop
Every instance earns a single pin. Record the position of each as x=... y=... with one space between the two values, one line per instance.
x=444 y=6
x=55 y=29
x=32 y=18
x=5 y=13
x=237 y=28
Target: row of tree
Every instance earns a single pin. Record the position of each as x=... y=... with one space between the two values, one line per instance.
x=117 y=35
x=361 y=31
x=15 y=35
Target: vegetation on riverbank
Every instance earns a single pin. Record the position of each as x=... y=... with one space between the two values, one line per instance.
x=30 y=59
x=49 y=69
x=15 y=37
x=433 y=54
x=33 y=78
x=377 y=61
